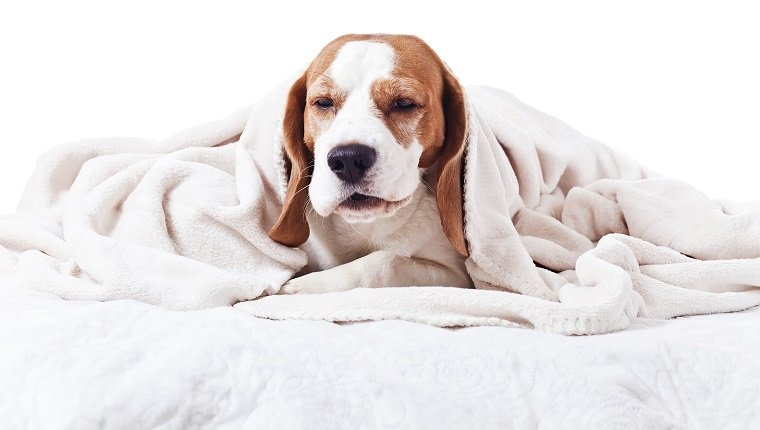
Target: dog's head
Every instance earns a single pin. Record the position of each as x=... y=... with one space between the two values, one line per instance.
x=366 y=119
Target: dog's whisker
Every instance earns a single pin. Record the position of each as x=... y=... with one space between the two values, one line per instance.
x=355 y=230
x=302 y=188
x=305 y=168
x=424 y=183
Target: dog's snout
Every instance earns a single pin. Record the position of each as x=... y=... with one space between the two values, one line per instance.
x=351 y=162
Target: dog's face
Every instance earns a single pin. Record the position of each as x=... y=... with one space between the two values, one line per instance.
x=370 y=114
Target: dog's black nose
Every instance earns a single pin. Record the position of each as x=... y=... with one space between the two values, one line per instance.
x=351 y=162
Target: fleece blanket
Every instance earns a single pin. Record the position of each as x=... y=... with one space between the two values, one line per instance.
x=565 y=234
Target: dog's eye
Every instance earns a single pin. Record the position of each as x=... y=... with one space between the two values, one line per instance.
x=403 y=104
x=324 y=103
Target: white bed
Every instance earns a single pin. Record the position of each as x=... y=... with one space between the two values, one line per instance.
x=125 y=364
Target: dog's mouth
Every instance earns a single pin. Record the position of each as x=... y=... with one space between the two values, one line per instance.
x=364 y=208
x=358 y=202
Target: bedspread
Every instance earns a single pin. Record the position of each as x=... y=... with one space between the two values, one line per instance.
x=127 y=364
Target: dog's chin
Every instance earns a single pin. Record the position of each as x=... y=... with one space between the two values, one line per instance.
x=361 y=208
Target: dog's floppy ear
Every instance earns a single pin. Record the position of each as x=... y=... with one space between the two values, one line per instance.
x=291 y=228
x=449 y=190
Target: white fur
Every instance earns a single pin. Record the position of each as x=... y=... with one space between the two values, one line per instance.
x=403 y=246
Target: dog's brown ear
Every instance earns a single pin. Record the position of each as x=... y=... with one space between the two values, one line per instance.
x=291 y=228
x=449 y=190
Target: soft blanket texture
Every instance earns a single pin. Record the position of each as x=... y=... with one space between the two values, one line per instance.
x=127 y=365
x=565 y=235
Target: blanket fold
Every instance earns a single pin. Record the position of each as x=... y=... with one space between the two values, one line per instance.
x=565 y=234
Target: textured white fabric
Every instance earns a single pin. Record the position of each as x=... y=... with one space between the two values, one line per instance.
x=182 y=223
x=125 y=364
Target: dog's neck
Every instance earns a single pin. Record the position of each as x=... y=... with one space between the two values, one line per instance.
x=334 y=241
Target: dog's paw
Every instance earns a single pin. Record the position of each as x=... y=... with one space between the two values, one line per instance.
x=317 y=282
x=296 y=286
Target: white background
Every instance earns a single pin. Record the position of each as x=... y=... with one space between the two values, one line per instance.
x=676 y=85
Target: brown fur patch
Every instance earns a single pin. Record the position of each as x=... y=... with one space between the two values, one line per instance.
x=317 y=119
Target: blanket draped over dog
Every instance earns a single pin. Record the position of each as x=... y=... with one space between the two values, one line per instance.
x=565 y=235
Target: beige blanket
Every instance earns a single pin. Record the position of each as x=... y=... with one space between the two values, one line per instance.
x=565 y=234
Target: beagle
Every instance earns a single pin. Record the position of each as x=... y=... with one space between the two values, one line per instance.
x=374 y=134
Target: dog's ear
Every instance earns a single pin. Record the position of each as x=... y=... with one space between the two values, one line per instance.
x=291 y=228
x=449 y=189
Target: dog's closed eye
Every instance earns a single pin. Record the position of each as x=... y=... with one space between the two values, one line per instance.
x=324 y=102
x=404 y=104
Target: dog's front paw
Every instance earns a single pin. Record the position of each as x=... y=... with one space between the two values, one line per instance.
x=296 y=286
x=317 y=282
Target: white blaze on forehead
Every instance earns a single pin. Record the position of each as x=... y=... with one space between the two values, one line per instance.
x=356 y=66
x=360 y=63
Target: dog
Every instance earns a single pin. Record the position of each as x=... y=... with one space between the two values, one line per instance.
x=374 y=134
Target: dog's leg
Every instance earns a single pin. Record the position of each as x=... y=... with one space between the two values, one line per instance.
x=378 y=269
